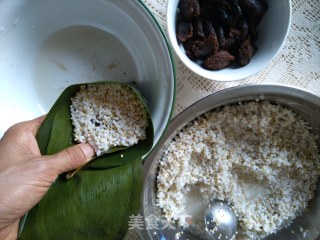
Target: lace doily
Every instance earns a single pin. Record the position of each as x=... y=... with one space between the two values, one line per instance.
x=297 y=64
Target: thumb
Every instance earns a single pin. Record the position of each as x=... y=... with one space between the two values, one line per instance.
x=72 y=157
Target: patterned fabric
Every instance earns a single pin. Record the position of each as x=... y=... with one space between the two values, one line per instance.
x=297 y=64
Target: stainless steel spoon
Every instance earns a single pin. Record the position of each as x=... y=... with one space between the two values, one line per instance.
x=221 y=221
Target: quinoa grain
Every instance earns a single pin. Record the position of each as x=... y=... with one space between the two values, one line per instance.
x=260 y=157
x=108 y=115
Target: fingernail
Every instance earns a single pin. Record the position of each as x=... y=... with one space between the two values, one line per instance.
x=88 y=150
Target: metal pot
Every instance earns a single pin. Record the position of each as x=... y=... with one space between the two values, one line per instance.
x=305 y=103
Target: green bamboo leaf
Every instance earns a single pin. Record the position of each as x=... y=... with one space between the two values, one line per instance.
x=135 y=199
x=97 y=202
x=60 y=114
x=62 y=104
x=61 y=132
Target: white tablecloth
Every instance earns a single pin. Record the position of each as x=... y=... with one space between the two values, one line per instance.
x=297 y=64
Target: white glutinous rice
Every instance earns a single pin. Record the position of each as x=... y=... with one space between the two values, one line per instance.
x=108 y=115
x=260 y=157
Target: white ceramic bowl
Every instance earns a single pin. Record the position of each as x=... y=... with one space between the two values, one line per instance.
x=47 y=45
x=273 y=31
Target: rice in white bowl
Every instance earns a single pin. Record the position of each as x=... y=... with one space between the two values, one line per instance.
x=108 y=115
x=261 y=158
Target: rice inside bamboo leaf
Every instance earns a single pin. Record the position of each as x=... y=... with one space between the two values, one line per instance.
x=98 y=201
x=108 y=116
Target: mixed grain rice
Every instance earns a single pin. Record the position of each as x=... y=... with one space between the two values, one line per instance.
x=260 y=157
x=108 y=115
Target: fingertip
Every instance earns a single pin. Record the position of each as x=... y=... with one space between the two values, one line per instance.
x=88 y=150
x=40 y=119
x=73 y=157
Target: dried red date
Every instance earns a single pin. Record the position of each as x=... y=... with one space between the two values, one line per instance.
x=254 y=10
x=219 y=60
x=220 y=34
x=204 y=48
x=189 y=8
x=184 y=31
x=198 y=28
x=227 y=17
x=190 y=54
x=229 y=44
x=235 y=7
x=246 y=52
x=188 y=49
x=234 y=33
x=216 y=33
x=243 y=28
x=188 y=44
x=209 y=29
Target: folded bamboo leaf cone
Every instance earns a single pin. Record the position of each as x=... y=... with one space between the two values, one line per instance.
x=97 y=202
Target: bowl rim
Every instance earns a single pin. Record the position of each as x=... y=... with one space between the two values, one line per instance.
x=212 y=75
x=173 y=66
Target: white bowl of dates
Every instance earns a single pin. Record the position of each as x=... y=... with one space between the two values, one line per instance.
x=227 y=40
x=48 y=45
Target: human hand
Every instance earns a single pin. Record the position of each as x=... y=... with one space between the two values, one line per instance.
x=25 y=175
